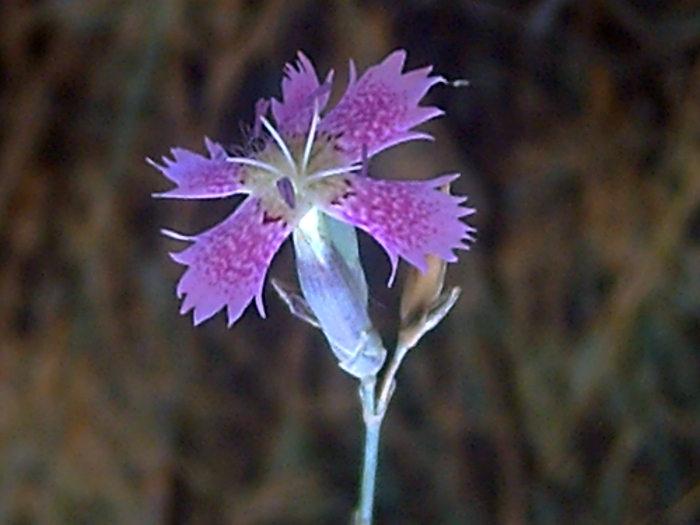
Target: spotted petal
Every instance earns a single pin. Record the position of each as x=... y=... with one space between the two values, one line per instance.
x=199 y=177
x=380 y=109
x=300 y=91
x=227 y=264
x=410 y=219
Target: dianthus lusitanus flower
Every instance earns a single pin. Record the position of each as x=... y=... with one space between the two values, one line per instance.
x=304 y=162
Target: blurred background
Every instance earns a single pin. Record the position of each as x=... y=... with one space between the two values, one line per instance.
x=563 y=388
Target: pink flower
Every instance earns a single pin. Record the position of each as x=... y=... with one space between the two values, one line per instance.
x=308 y=161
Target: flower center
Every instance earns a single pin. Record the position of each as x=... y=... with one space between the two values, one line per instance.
x=284 y=174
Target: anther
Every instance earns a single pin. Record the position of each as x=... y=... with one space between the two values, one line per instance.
x=286 y=191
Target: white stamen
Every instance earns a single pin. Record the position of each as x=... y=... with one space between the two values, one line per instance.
x=334 y=171
x=310 y=138
x=280 y=142
x=256 y=163
x=177 y=236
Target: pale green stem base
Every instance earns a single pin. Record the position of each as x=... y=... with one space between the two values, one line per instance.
x=373 y=411
x=373 y=424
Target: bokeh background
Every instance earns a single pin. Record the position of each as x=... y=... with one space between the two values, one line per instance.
x=563 y=388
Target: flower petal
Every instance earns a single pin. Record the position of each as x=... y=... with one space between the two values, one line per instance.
x=379 y=110
x=408 y=218
x=300 y=90
x=199 y=177
x=227 y=264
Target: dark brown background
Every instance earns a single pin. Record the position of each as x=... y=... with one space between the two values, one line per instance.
x=564 y=387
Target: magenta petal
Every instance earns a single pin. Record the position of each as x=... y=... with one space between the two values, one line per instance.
x=380 y=108
x=227 y=264
x=410 y=219
x=300 y=91
x=199 y=177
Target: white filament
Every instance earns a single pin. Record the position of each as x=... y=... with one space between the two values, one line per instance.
x=315 y=119
x=334 y=171
x=256 y=163
x=281 y=143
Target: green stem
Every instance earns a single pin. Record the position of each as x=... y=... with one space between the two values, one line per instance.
x=373 y=411
x=373 y=424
